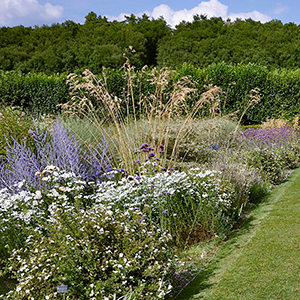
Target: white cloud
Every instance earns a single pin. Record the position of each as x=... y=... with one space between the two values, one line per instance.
x=280 y=10
x=211 y=8
x=254 y=15
x=28 y=13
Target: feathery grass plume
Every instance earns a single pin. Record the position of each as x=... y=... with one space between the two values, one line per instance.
x=253 y=98
x=271 y=123
x=127 y=123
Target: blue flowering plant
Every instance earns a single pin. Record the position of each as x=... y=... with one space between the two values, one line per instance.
x=60 y=149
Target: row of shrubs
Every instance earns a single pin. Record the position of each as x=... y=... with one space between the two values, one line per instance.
x=37 y=93
x=279 y=89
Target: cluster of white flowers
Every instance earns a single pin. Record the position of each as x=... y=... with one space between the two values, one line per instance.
x=70 y=249
x=115 y=202
x=158 y=187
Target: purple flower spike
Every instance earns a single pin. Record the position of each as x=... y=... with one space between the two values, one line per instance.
x=146 y=199
x=152 y=185
x=138 y=162
x=161 y=146
x=161 y=151
x=164 y=169
x=144 y=145
x=164 y=212
x=136 y=152
x=137 y=177
x=152 y=154
x=157 y=159
x=145 y=149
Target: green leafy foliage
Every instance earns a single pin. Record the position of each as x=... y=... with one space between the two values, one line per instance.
x=98 y=43
x=15 y=123
x=277 y=89
x=37 y=93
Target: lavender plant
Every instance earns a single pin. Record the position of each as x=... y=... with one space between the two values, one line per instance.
x=270 y=151
x=61 y=149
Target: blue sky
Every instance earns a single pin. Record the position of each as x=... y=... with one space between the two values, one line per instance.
x=39 y=12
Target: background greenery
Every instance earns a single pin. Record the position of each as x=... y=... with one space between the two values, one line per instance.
x=278 y=88
x=71 y=46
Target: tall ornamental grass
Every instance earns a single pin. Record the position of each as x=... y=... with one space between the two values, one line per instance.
x=127 y=122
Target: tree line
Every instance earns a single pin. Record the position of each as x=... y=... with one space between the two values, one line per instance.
x=71 y=47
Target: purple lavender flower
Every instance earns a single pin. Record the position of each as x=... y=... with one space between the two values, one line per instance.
x=164 y=212
x=137 y=177
x=152 y=154
x=138 y=162
x=61 y=150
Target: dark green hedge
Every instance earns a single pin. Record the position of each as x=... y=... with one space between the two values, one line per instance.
x=37 y=93
x=279 y=89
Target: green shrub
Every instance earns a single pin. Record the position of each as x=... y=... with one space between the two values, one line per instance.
x=258 y=191
x=36 y=93
x=17 y=124
x=279 y=89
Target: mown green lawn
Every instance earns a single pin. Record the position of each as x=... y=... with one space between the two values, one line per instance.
x=261 y=261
